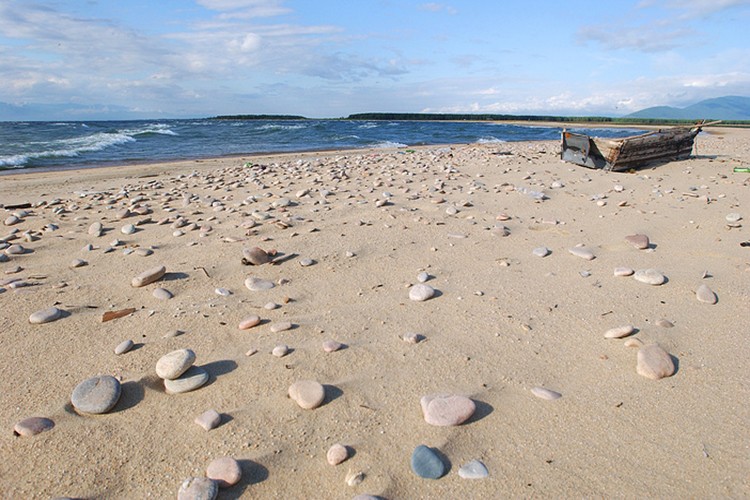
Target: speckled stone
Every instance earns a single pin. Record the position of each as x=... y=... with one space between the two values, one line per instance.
x=280 y=351
x=124 y=347
x=639 y=241
x=281 y=326
x=32 y=426
x=198 y=488
x=649 y=276
x=331 y=345
x=194 y=378
x=175 y=363
x=426 y=463
x=226 y=471
x=96 y=395
x=706 y=295
x=654 y=362
x=308 y=394
x=209 y=419
x=337 y=454
x=446 y=409
x=45 y=316
x=421 y=292
x=162 y=294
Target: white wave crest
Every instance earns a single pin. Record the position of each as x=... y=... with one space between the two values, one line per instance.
x=489 y=140
x=278 y=126
x=390 y=144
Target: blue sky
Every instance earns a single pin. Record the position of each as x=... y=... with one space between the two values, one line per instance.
x=110 y=59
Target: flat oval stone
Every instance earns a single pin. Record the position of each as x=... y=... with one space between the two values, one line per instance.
x=619 y=332
x=544 y=393
x=308 y=394
x=582 y=252
x=209 y=419
x=175 y=363
x=226 y=471
x=198 y=488
x=249 y=322
x=124 y=347
x=337 y=454
x=77 y=263
x=306 y=262
x=623 y=271
x=426 y=463
x=654 y=362
x=162 y=293
x=423 y=277
x=224 y=292
x=192 y=379
x=280 y=351
x=149 y=276
x=15 y=249
x=421 y=292
x=12 y=220
x=45 y=316
x=255 y=256
x=32 y=426
x=639 y=241
x=143 y=252
x=649 y=276
x=95 y=229
x=96 y=395
x=282 y=326
x=705 y=294
x=473 y=470
x=331 y=345
x=541 y=251
x=258 y=284
x=127 y=229
x=664 y=323
x=733 y=217
x=447 y=409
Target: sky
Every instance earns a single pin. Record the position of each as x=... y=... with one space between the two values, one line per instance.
x=115 y=59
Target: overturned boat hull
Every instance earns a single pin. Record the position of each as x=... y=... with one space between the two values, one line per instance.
x=629 y=153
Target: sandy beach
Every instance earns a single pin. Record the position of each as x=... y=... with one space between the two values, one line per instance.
x=510 y=326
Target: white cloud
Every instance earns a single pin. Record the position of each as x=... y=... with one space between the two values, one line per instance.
x=438 y=7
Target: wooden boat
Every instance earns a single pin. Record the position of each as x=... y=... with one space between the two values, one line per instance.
x=626 y=153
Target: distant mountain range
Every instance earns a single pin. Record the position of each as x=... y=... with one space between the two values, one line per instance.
x=720 y=108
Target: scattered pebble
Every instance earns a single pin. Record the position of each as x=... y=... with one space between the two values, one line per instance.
x=194 y=378
x=337 y=454
x=619 y=332
x=654 y=362
x=633 y=342
x=226 y=471
x=705 y=294
x=173 y=364
x=412 y=338
x=425 y=463
x=209 y=419
x=45 y=316
x=258 y=284
x=32 y=426
x=331 y=345
x=308 y=394
x=198 y=488
x=649 y=276
x=446 y=409
x=280 y=351
x=306 y=262
x=664 y=323
x=249 y=322
x=96 y=395
x=541 y=251
x=223 y=292
x=639 y=241
x=423 y=277
x=255 y=256
x=421 y=292
x=149 y=276
x=124 y=347
x=544 y=393
x=623 y=271
x=281 y=327
x=162 y=293
x=582 y=252
x=75 y=263
x=473 y=470
x=733 y=217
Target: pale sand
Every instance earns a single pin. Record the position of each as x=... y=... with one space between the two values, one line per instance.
x=504 y=322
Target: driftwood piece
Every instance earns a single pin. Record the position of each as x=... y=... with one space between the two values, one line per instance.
x=110 y=315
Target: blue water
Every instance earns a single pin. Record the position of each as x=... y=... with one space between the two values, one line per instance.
x=61 y=145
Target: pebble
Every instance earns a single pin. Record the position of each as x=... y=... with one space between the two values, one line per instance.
x=198 y=488
x=96 y=395
x=280 y=350
x=192 y=379
x=226 y=471
x=15 y=249
x=308 y=394
x=331 y=345
x=175 y=363
x=12 y=220
x=582 y=252
x=421 y=292
x=423 y=277
x=541 y=251
x=705 y=294
x=633 y=342
x=249 y=322
x=426 y=463
x=209 y=419
x=32 y=426
x=639 y=241
x=447 y=409
x=306 y=262
x=733 y=217
x=45 y=316
x=162 y=293
x=124 y=347
x=654 y=362
x=255 y=256
x=413 y=338
x=281 y=327
x=271 y=306
x=619 y=332
x=473 y=470
x=149 y=276
x=623 y=271
x=257 y=284
x=664 y=323
x=544 y=393
x=649 y=276
x=223 y=292
x=127 y=229
x=77 y=263
x=143 y=252
x=337 y=454
x=95 y=229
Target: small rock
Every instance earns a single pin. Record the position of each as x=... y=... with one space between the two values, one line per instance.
x=147 y=277
x=649 y=276
x=544 y=393
x=175 y=363
x=423 y=277
x=473 y=470
x=95 y=229
x=77 y=263
x=308 y=394
x=354 y=478
x=15 y=249
x=249 y=322
x=541 y=251
x=733 y=217
x=664 y=323
x=426 y=463
x=124 y=347
x=306 y=262
x=192 y=379
x=209 y=419
x=127 y=229
x=255 y=256
x=96 y=395
x=421 y=292
x=639 y=241
x=271 y=306
x=257 y=284
x=45 y=316
x=226 y=471
x=413 y=338
x=281 y=327
x=223 y=292
x=198 y=488
x=32 y=426
x=162 y=293
x=337 y=454
x=633 y=342
x=12 y=220
x=143 y=252
x=280 y=351
x=654 y=362
x=705 y=294
x=619 y=332
x=623 y=271
x=582 y=252
x=331 y=345
x=447 y=409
